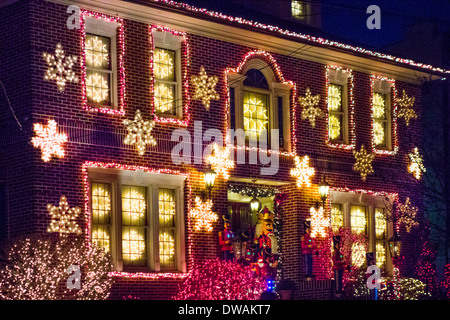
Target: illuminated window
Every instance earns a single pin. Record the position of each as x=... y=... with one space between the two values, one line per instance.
x=142 y=226
x=259 y=103
x=364 y=214
x=335 y=113
x=165 y=81
x=100 y=52
x=298 y=9
x=381 y=114
x=166 y=228
x=167 y=74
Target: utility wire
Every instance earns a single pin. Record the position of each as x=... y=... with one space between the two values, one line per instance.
x=10 y=106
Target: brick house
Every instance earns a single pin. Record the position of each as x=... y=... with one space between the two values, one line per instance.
x=141 y=55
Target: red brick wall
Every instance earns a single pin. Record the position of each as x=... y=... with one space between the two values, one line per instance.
x=98 y=137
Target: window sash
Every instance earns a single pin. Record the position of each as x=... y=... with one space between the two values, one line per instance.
x=256 y=114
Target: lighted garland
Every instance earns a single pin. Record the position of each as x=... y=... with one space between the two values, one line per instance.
x=220 y=280
x=120 y=60
x=253 y=191
x=184 y=121
x=36 y=269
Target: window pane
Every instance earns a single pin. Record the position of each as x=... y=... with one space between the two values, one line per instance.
x=380 y=224
x=334 y=97
x=100 y=237
x=164 y=64
x=379 y=133
x=98 y=88
x=379 y=106
x=297 y=9
x=166 y=208
x=167 y=249
x=256 y=114
x=164 y=98
x=335 y=126
x=98 y=52
x=133 y=246
x=101 y=203
x=358 y=221
x=380 y=254
x=134 y=206
x=337 y=217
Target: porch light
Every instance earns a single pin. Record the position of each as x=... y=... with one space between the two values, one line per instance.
x=255 y=205
x=323 y=189
x=394 y=246
x=210 y=177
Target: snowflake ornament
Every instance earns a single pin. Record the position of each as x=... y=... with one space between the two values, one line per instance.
x=49 y=140
x=60 y=67
x=220 y=162
x=416 y=167
x=310 y=110
x=139 y=132
x=408 y=215
x=63 y=218
x=205 y=88
x=363 y=162
x=302 y=171
x=406 y=108
x=203 y=215
x=319 y=223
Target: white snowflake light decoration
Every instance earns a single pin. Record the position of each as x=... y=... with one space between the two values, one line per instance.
x=205 y=88
x=363 y=162
x=63 y=218
x=408 y=215
x=49 y=140
x=203 y=215
x=60 y=67
x=139 y=132
x=310 y=110
x=133 y=245
x=302 y=171
x=220 y=162
x=416 y=167
x=406 y=110
x=319 y=223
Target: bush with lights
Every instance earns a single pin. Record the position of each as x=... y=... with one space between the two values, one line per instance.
x=220 y=280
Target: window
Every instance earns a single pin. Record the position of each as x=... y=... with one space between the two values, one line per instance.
x=363 y=214
x=138 y=218
x=298 y=9
x=167 y=74
x=100 y=52
x=338 y=98
x=260 y=104
x=382 y=115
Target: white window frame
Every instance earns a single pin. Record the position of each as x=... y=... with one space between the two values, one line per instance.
x=276 y=89
x=340 y=77
x=169 y=41
x=108 y=29
x=384 y=87
x=153 y=182
x=371 y=202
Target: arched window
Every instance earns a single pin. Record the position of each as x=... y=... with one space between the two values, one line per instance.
x=259 y=104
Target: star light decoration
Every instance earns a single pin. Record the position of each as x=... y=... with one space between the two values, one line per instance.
x=139 y=132
x=363 y=162
x=416 y=166
x=63 y=218
x=205 y=88
x=310 y=111
x=406 y=108
x=302 y=171
x=319 y=223
x=219 y=160
x=49 y=140
x=408 y=215
x=60 y=67
x=203 y=215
